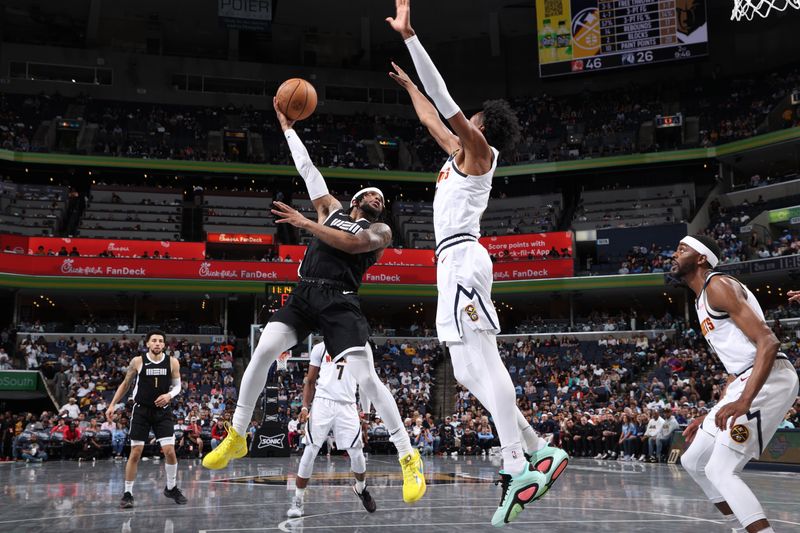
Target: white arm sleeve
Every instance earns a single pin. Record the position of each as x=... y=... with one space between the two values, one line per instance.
x=431 y=79
x=315 y=183
x=176 y=387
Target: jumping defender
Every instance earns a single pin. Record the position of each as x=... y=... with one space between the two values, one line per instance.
x=346 y=244
x=332 y=389
x=158 y=381
x=466 y=320
x=761 y=388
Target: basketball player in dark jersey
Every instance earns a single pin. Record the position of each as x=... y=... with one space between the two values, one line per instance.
x=347 y=242
x=157 y=380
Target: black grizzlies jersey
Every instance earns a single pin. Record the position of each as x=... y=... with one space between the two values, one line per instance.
x=326 y=262
x=153 y=380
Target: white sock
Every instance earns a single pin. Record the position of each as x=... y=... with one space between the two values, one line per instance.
x=513 y=459
x=767 y=530
x=129 y=486
x=530 y=440
x=299 y=493
x=402 y=442
x=172 y=475
x=360 y=486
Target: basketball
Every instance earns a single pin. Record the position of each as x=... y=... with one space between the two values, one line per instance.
x=297 y=99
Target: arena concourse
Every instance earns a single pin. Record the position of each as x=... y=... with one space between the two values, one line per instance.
x=140 y=159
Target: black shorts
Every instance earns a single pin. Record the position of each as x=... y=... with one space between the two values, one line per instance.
x=335 y=314
x=145 y=418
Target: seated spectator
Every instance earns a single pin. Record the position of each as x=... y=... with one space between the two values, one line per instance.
x=33 y=452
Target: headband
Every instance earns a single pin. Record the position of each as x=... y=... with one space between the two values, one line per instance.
x=365 y=191
x=702 y=249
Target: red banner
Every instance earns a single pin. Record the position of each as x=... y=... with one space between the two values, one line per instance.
x=239 y=238
x=545 y=268
x=249 y=271
x=293 y=251
x=15 y=244
x=535 y=245
x=120 y=247
x=516 y=247
x=391 y=256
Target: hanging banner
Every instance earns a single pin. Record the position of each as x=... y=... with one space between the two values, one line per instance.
x=248 y=15
x=239 y=238
x=530 y=245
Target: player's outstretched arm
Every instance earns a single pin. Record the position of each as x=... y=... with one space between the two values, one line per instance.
x=477 y=154
x=323 y=201
x=130 y=375
x=794 y=296
x=725 y=294
x=426 y=112
x=375 y=238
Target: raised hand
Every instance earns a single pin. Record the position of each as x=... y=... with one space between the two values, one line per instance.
x=399 y=75
x=287 y=215
x=286 y=124
x=401 y=22
x=794 y=296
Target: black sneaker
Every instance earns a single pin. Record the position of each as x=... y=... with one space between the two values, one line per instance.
x=127 y=501
x=366 y=499
x=176 y=494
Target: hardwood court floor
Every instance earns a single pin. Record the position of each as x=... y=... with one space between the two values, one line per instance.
x=252 y=495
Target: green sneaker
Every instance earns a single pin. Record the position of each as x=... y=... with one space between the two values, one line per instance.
x=551 y=462
x=518 y=491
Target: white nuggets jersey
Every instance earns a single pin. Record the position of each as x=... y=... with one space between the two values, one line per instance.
x=460 y=200
x=335 y=382
x=734 y=349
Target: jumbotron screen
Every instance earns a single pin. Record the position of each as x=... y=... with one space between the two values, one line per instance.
x=576 y=36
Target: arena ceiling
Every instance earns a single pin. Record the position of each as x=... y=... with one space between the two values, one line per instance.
x=442 y=20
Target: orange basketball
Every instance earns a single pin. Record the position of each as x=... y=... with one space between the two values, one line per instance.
x=297 y=99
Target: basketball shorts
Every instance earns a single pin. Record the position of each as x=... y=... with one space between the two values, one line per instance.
x=335 y=313
x=751 y=433
x=464 y=278
x=341 y=417
x=144 y=418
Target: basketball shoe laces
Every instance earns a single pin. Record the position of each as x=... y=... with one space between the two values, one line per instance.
x=504 y=482
x=227 y=443
x=410 y=474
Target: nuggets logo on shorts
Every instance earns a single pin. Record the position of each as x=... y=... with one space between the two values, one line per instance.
x=740 y=434
x=472 y=313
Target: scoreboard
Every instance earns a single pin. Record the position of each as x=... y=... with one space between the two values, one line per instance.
x=576 y=36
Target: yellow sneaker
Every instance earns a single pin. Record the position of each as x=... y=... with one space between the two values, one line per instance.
x=413 y=478
x=233 y=446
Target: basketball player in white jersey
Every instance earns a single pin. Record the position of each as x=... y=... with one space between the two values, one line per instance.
x=347 y=241
x=466 y=320
x=332 y=389
x=762 y=385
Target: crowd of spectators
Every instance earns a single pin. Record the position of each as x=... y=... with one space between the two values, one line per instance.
x=83 y=376
x=621 y=399
x=555 y=127
x=598 y=321
x=617 y=397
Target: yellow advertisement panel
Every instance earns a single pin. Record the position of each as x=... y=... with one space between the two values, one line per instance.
x=553 y=30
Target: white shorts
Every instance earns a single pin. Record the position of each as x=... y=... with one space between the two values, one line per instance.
x=464 y=278
x=751 y=432
x=341 y=417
